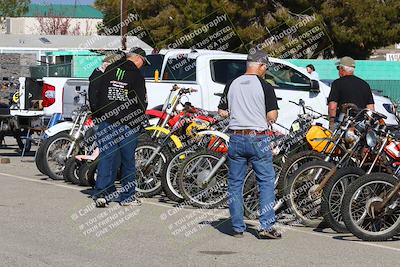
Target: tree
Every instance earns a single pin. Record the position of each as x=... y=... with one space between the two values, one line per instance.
x=357 y=27
x=12 y=8
x=350 y=27
x=56 y=24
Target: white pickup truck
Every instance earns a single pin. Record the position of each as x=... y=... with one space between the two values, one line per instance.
x=208 y=71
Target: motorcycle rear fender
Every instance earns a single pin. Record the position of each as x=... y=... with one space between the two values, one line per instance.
x=173 y=137
x=59 y=127
x=216 y=133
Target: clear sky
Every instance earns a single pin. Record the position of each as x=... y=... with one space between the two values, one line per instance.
x=81 y=2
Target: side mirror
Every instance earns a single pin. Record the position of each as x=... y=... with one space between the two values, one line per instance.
x=314 y=86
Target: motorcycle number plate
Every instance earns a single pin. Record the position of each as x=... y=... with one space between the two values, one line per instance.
x=296 y=126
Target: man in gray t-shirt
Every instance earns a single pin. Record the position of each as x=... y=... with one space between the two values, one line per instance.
x=252 y=105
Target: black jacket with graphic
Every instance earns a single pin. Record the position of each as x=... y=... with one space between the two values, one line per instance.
x=95 y=81
x=122 y=97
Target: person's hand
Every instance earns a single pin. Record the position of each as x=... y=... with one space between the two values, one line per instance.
x=223 y=113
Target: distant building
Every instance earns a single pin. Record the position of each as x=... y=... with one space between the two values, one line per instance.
x=19 y=52
x=55 y=19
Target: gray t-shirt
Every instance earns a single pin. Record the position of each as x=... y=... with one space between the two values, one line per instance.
x=248 y=99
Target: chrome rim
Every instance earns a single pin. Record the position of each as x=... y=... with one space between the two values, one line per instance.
x=57 y=154
x=336 y=196
x=195 y=170
x=362 y=214
x=149 y=181
x=305 y=203
x=172 y=172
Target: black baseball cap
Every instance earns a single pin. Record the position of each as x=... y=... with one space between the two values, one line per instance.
x=140 y=52
x=258 y=56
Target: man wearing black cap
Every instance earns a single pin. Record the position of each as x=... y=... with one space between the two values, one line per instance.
x=348 y=89
x=121 y=107
x=252 y=106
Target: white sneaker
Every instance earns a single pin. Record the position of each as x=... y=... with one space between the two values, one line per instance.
x=101 y=202
x=132 y=201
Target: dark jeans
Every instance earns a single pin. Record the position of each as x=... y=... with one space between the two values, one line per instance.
x=117 y=146
x=254 y=149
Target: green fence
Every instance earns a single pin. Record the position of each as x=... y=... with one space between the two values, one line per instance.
x=58 y=70
x=380 y=75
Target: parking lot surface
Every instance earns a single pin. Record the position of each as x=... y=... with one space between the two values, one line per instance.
x=53 y=223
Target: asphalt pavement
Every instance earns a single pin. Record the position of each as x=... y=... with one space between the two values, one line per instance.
x=53 y=223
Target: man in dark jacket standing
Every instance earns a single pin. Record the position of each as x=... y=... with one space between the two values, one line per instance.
x=95 y=80
x=122 y=102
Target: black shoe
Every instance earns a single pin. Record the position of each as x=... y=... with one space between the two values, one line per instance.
x=237 y=234
x=269 y=234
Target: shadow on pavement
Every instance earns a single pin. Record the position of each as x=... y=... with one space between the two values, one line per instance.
x=352 y=238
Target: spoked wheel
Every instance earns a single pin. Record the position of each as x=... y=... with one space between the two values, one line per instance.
x=148 y=178
x=170 y=174
x=71 y=171
x=251 y=194
x=301 y=195
x=88 y=174
x=361 y=209
x=333 y=194
x=55 y=155
x=193 y=184
x=291 y=165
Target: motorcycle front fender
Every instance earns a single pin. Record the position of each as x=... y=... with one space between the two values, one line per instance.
x=173 y=137
x=59 y=127
x=216 y=133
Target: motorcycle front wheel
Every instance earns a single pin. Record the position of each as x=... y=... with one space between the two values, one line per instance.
x=54 y=155
x=193 y=175
x=361 y=217
x=301 y=196
x=148 y=177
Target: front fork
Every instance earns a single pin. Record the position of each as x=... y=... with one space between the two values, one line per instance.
x=212 y=172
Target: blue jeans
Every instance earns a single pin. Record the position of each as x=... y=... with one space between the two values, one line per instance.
x=117 y=146
x=254 y=149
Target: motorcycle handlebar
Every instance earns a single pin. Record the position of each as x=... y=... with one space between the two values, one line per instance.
x=183 y=90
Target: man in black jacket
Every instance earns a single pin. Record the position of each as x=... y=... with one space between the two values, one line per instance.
x=122 y=102
x=95 y=80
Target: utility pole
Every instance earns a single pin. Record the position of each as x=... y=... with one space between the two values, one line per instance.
x=124 y=28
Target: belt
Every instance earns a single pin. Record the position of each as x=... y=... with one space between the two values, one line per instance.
x=252 y=132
